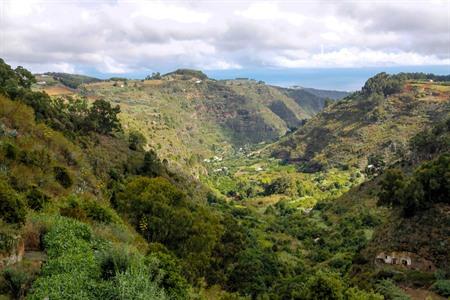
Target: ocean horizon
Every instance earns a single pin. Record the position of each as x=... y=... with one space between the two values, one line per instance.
x=340 y=79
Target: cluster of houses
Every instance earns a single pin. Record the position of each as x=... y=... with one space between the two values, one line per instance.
x=213 y=159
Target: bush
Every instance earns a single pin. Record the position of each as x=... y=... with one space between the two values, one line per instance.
x=12 y=206
x=16 y=281
x=102 y=117
x=442 y=287
x=383 y=84
x=165 y=268
x=136 y=141
x=63 y=177
x=74 y=210
x=97 y=212
x=11 y=151
x=37 y=199
x=390 y=291
x=135 y=283
x=429 y=184
x=161 y=212
x=9 y=237
x=357 y=294
x=83 y=209
x=74 y=271
x=325 y=285
x=113 y=262
x=281 y=185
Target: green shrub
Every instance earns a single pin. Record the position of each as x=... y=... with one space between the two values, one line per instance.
x=419 y=279
x=136 y=141
x=63 y=177
x=67 y=236
x=83 y=209
x=135 y=283
x=166 y=269
x=97 y=212
x=113 y=262
x=357 y=294
x=9 y=237
x=74 y=271
x=71 y=268
x=281 y=185
x=325 y=285
x=428 y=184
x=74 y=209
x=383 y=84
x=36 y=199
x=390 y=291
x=16 y=281
x=11 y=151
x=12 y=206
x=442 y=287
x=161 y=212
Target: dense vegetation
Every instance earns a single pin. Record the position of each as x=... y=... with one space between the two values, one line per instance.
x=429 y=184
x=377 y=121
x=99 y=215
x=72 y=80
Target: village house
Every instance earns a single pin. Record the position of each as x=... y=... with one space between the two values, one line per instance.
x=405 y=259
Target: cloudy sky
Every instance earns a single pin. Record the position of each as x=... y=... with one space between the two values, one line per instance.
x=135 y=37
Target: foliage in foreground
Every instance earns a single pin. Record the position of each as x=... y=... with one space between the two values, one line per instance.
x=74 y=269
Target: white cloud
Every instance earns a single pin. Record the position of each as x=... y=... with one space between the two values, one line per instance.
x=130 y=36
x=350 y=57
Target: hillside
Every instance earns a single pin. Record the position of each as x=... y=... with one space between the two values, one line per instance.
x=335 y=95
x=362 y=125
x=89 y=210
x=69 y=80
x=188 y=117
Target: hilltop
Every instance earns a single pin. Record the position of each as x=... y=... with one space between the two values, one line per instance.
x=366 y=125
x=189 y=117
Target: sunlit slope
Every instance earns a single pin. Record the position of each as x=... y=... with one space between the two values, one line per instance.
x=360 y=126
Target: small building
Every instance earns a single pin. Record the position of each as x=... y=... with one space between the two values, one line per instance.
x=405 y=259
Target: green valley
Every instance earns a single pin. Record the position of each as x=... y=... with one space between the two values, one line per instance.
x=188 y=117
x=180 y=186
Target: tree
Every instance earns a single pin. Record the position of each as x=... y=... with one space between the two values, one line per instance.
x=324 y=286
x=136 y=140
x=24 y=77
x=162 y=213
x=12 y=206
x=383 y=84
x=166 y=270
x=152 y=164
x=392 y=186
x=154 y=76
x=280 y=185
x=429 y=184
x=103 y=117
x=254 y=272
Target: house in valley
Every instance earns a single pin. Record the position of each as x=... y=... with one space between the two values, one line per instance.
x=405 y=259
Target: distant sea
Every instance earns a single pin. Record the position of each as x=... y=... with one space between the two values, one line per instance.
x=343 y=79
